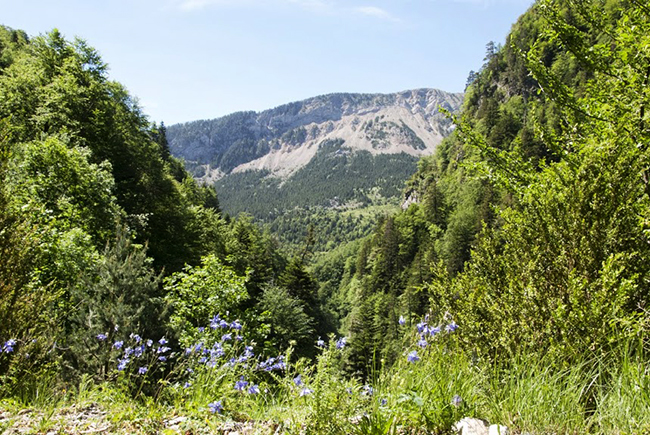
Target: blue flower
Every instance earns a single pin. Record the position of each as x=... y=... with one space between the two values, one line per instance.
x=456 y=400
x=368 y=390
x=149 y=343
x=254 y=389
x=241 y=384
x=298 y=381
x=142 y=370
x=162 y=358
x=401 y=320
x=422 y=342
x=239 y=338
x=215 y=407
x=383 y=402
x=432 y=331
x=413 y=356
x=341 y=342
x=236 y=325
x=118 y=344
x=128 y=351
x=201 y=329
x=187 y=385
x=101 y=337
x=306 y=392
x=320 y=343
x=226 y=337
x=9 y=345
x=163 y=349
x=451 y=327
x=122 y=363
x=136 y=337
x=163 y=341
x=214 y=323
x=421 y=326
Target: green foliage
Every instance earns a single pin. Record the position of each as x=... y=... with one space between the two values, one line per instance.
x=198 y=293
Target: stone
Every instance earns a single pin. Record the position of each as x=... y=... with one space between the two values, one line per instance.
x=471 y=426
x=497 y=429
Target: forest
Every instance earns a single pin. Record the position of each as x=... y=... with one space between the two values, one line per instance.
x=514 y=288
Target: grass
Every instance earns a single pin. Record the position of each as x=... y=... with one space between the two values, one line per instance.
x=528 y=393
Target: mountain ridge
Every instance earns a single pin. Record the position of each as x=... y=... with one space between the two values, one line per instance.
x=285 y=138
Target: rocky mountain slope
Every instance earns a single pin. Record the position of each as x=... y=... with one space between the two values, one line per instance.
x=285 y=139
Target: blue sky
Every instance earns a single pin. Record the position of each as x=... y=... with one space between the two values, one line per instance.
x=201 y=59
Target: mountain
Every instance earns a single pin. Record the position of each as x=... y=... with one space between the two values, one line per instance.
x=335 y=162
x=284 y=139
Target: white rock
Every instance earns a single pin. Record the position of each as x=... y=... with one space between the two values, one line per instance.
x=471 y=426
x=497 y=429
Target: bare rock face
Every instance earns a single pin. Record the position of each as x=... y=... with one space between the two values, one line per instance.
x=471 y=426
x=284 y=139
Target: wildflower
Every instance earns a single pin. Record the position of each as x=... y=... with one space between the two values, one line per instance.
x=203 y=359
x=421 y=326
x=136 y=337
x=223 y=324
x=201 y=329
x=138 y=351
x=163 y=341
x=254 y=389
x=239 y=338
x=456 y=400
x=383 y=402
x=122 y=363
x=149 y=343
x=214 y=323
x=128 y=351
x=241 y=384
x=451 y=327
x=413 y=356
x=187 y=385
x=236 y=325
x=142 y=370
x=215 y=407
x=422 y=342
x=162 y=358
x=226 y=337
x=9 y=345
x=118 y=344
x=432 y=331
x=306 y=392
x=367 y=389
x=101 y=337
x=341 y=342
x=401 y=320
x=320 y=343
x=298 y=381
x=349 y=390
x=163 y=349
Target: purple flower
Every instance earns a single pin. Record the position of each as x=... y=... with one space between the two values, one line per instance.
x=451 y=327
x=162 y=358
x=298 y=381
x=241 y=384
x=432 y=331
x=187 y=385
x=149 y=343
x=413 y=356
x=118 y=344
x=341 y=342
x=422 y=342
x=201 y=329
x=254 y=389
x=142 y=370
x=9 y=345
x=236 y=325
x=215 y=407
x=122 y=363
x=136 y=337
x=306 y=392
x=456 y=400
x=421 y=326
x=101 y=337
x=226 y=337
x=401 y=320
x=163 y=341
x=383 y=402
x=214 y=323
x=163 y=349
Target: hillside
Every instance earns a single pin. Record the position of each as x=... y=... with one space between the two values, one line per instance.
x=317 y=157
